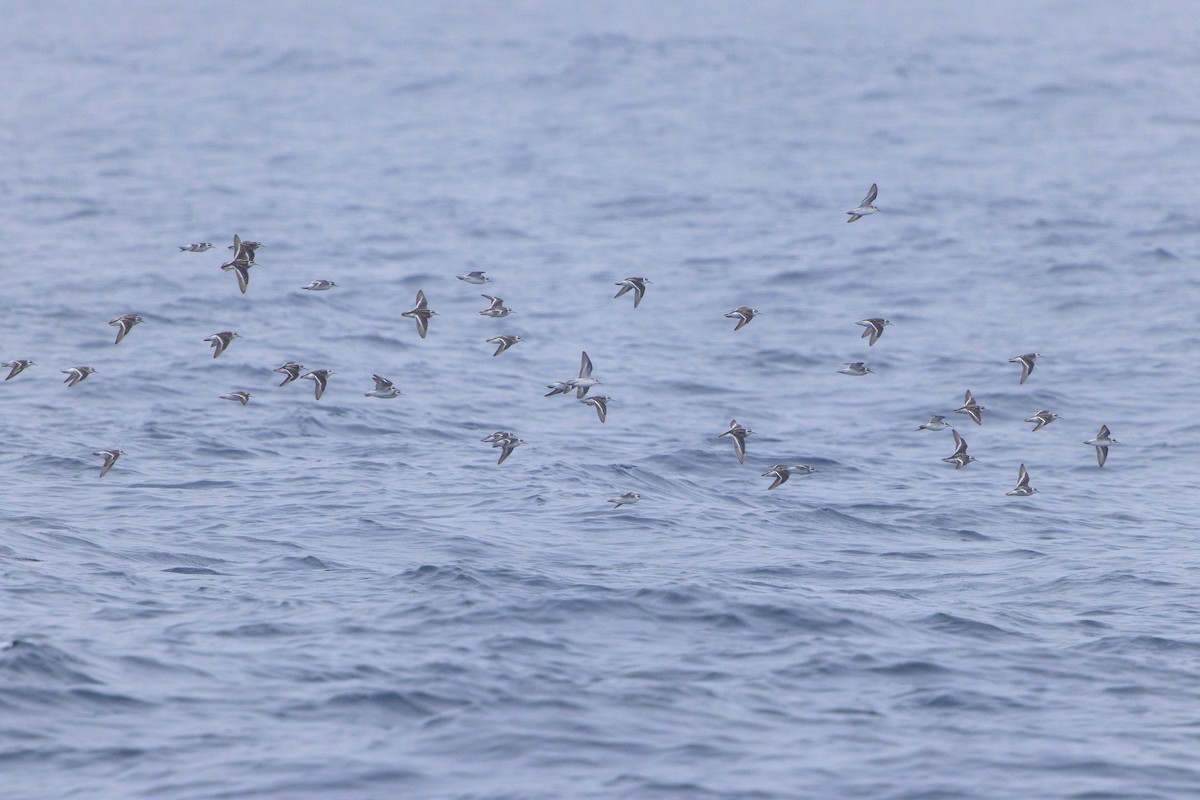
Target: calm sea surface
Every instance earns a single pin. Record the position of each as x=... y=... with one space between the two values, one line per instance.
x=348 y=598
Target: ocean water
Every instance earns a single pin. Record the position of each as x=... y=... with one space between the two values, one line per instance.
x=349 y=598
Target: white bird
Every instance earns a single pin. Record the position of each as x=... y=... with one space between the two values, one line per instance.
x=865 y=207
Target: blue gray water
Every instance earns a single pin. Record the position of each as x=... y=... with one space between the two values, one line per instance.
x=350 y=599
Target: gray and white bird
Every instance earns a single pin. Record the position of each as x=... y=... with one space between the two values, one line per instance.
x=743 y=315
x=585 y=380
x=738 y=434
x=507 y=443
x=320 y=379
x=1102 y=442
x=637 y=285
x=598 y=403
x=420 y=313
x=76 y=374
x=1042 y=419
x=865 y=207
x=855 y=368
x=1026 y=361
x=384 y=389
x=497 y=309
x=503 y=343
x=874 y=328
x=627 y=499
x=960 y=458
x=110 y=458
x=1023 y=489
x=239 y=397
x=476 y=278
x=936 y=423
x=290 y=371
x=781 y=473
x=319 y=286
x=971 y=408
x=125 y=325
x=220 y=341
x=197 y=247
x=244 y=249
x=18 y=366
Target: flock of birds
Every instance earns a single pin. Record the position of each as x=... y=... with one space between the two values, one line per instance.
x=244 y=259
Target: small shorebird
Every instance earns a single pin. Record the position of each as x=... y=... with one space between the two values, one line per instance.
x=240 y=397
x=585 y=380
x=503 y=343
x=110 y=458
x=638 y=285
x=855 y=368
x=220 y=341
x=738 y=434
x=1026 y=361
x=477 y=278
x=936 y=423
x=1102 y=442
x=290 y=371
x=960 y=458
x=421 y=313
x=384 y=389
x=319 y=286
x=598 y=403
x=743 y=315
x=198 y=247
x=496 y=309
x=76 y=374
x=125 y=325
x=874 y=328
x=18 y=366
x=971 y=408
x=627 y=499
x=507 y=443
x=320 y=379
x=781 y=473
x=1042 y=419
x=244 y=250
x=865 y=207
x=1023 y=489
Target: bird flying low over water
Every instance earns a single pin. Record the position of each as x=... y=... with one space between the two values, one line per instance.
x=125 y=325
x=781 y=473
x=320 y=379
x=384 y=389
x=420 y=313
x=18 y=366
x=738 y=434
x=743 y=315
x=960 y=458
x=290 y=371
x=503 y=343
x=76 y=374
x=1102 y=442
x=496 y=309
x=865 y=207
x=627 y=499
x=1023 y=489
x=110 y=458
x=971 y=408
x=1026 y=361
x=874 y=328
x=1042 y=419
x=220 y=341
x=638 y=285
x=598 y=403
